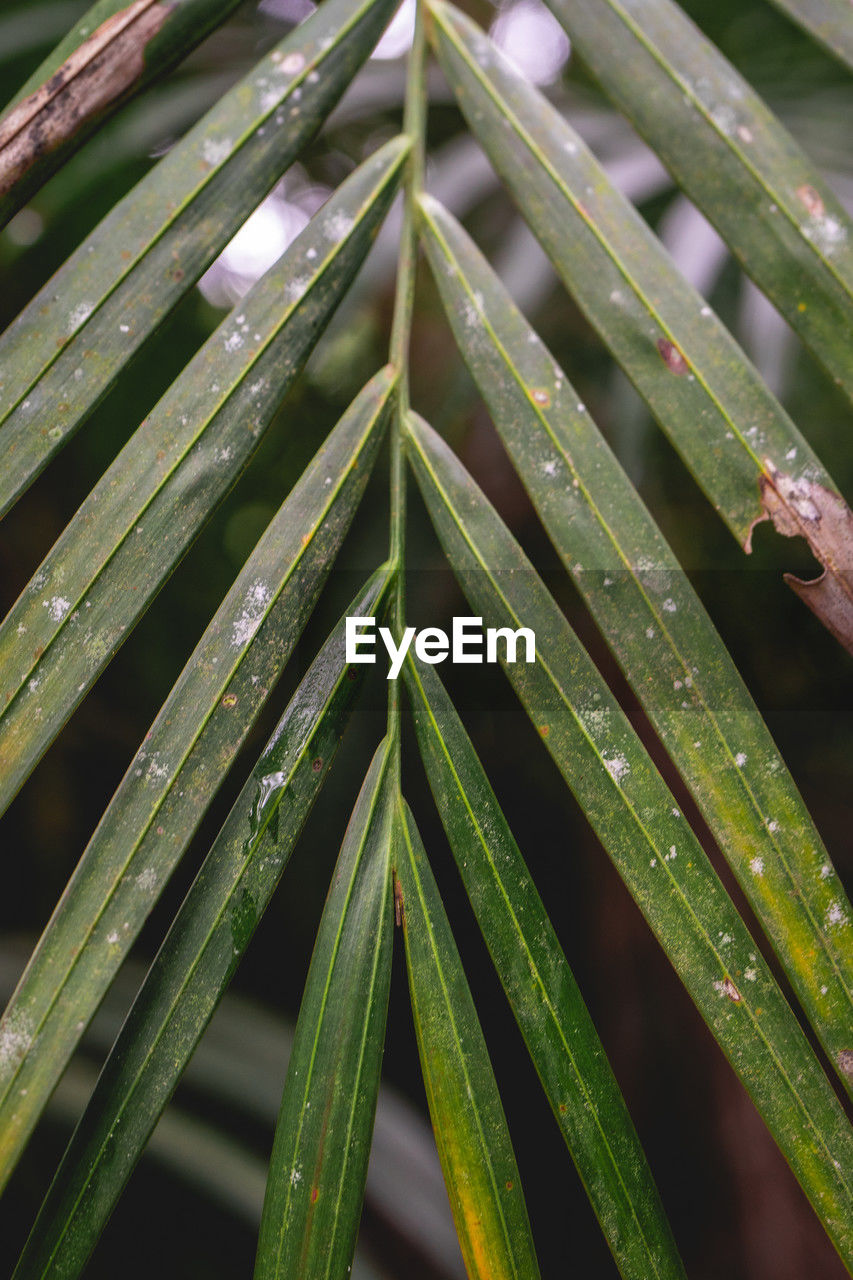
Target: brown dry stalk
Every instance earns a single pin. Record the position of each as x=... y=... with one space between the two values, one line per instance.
x=98 y=72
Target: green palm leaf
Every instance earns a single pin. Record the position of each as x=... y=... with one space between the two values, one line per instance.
x=143 y=515
x=541 y=988
x=181 y=762
x=654 y=622
x=732 y=157
x=322 y=1143
x=470 y=1127
x=737 y=440
x=196 y=963
x=651 y=845
x=67 y=347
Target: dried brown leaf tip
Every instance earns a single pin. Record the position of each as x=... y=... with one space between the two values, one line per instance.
x=96 y=74
x=802 y=508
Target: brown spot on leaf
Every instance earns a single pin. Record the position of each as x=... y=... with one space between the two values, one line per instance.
x=802 y=508
x=317 y=764
x=544 y=730
x=97 y=74
x=399 y=904
x=728 y=988
x=812 y=200
x=671 y=356
x=230 y=700
x=314 y=1195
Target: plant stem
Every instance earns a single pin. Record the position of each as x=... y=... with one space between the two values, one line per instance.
x=414 y=124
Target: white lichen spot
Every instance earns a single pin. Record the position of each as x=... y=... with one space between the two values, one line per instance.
x=826 y=232
x=215 y=150
x=257 y=599
x=705 y=311
x=824 y=990
x=124 y=328
x=292 y=63
x=33 y=684
x=233 y=342
x=669 y=605
x=79 y=315
x=740 y=759
x=112 y=938
x=825 y=871
x=835 y=915
x=672 y=855
x=16 y=1033
x=339 y=225
x=550 y=468
x=618 y=768
x=156 y=770
x=295 y=1176
x=773 y=826
x=725 y=119
x=744 y=133
x=295 y=289
x=750 y=974
x=756 y=866
x=147 y=880
x=57 y=607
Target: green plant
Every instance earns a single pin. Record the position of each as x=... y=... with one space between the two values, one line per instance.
x=71 y=343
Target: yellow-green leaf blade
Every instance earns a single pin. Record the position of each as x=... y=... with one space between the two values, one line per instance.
x=194 y=966
x=541 y=988
x=179 y=765
x=67 y=347
x=648 y=840
x=470 y=1128
x=732 y=157
x=734 y=436
x=144 y=513
x=665 y=642
x=322 y=1143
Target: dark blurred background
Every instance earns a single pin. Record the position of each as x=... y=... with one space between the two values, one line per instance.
x=191 y=1208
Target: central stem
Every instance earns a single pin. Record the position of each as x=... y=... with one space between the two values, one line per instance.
x=414 y=124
